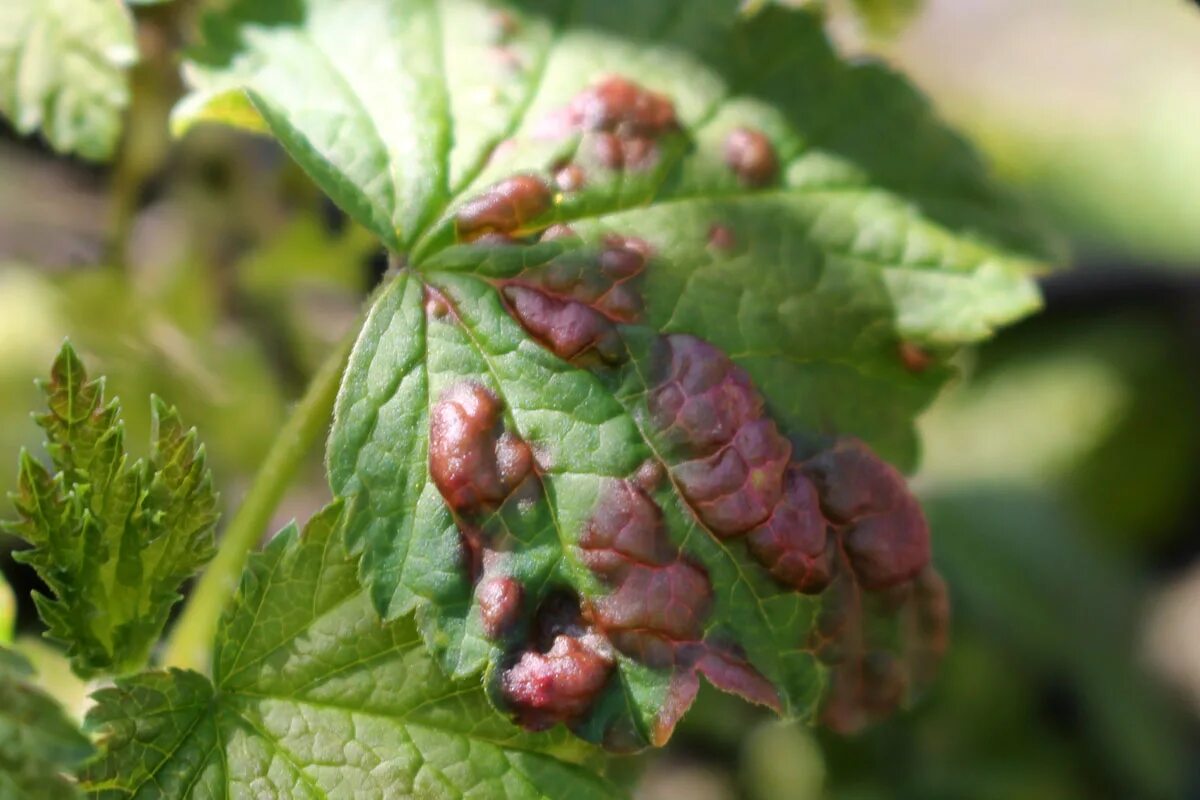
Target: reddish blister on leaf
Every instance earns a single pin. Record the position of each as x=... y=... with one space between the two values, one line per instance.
x=570 y=178
x=722 y=238
x=499 y=598
x=885 y=534
x=729 y=456
x=504 y=208
x=751 y=156
x=573 y=303
x=658 y=599
x=557 y=675
x=621 y=120
x=794 y=544
x=558 y=685
x=698 y=399
x=915 y=358
x=473 y=462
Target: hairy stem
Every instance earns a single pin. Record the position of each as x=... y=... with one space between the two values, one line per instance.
x=190 y=642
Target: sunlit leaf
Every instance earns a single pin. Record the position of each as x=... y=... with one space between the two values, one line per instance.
x=313 y=696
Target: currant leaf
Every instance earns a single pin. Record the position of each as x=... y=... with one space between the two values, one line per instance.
x=675 y=282
x=313 y=696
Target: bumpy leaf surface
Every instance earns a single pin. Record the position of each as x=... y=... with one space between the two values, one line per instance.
x=660 y=261
x=112 y=538
x=39 y=745
x=314 y=696
x=63 y=71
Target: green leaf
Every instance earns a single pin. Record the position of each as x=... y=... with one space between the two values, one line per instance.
x=112 y=538
x=313 y=696
x=575 y=191
x=63 y=70
x=1012 y=554
x=38 y=743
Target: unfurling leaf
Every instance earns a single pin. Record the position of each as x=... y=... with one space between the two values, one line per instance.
x=39 y=745
x=112 y=538
x=63 y=70
x=313 y=696
x=676 y=281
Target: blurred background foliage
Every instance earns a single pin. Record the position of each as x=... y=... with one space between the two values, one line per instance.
x=1060 y=470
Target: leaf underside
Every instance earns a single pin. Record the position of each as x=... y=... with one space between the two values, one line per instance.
x=667 y=267
x=312 y=696
x=113 y=538
x=63 y=70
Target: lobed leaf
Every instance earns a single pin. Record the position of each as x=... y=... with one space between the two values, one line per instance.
x=63 y=70
x=661 y=262
x=113 y=539
x=313 y=696
x=39 y=745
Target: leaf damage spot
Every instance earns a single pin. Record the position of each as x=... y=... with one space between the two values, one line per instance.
x=794 y=543
x=558 y=677
x=570 y=178
x=659 y=603
x=473 y=462
x=729 y=457
x=884 y=533
x=505 y=208
x=499 y=598
x=572 y=304
x=722 y=238
x=658 y=597
x=622 y=119
x=915 y=358
x=751 y=156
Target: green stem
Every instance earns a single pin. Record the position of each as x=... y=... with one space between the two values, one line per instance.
x=190 y=642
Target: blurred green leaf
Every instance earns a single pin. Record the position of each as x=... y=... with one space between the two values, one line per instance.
x=63 y=70
x=1020 y=565
x=782 y=761
x=112 y=538
x=38 y=743
x=1029 y=421
x=1078 y=405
